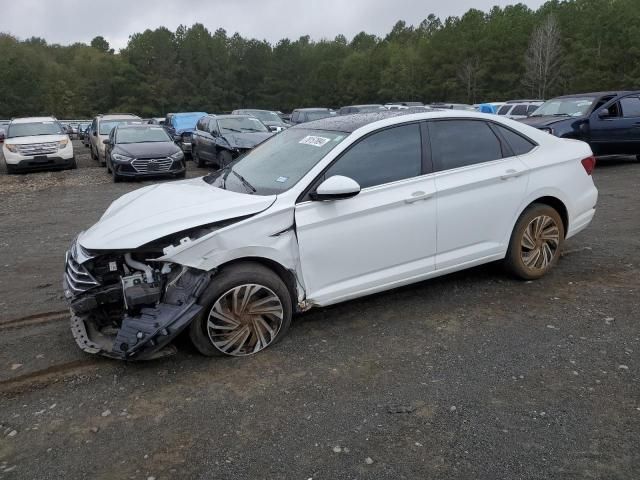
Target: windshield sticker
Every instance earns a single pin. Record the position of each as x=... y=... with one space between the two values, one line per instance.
x=315 y=141
x=282 y=179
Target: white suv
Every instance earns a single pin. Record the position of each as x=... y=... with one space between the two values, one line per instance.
x=519 y=109
x=101 y=128
x=35 y=143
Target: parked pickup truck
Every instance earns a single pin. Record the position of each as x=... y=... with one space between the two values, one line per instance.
x=182 y=125
x=608 y=121
x=219 y=139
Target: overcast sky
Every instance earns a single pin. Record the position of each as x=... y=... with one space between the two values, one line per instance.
x=69 y=21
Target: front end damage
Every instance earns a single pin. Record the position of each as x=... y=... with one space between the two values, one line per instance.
x=127 y=307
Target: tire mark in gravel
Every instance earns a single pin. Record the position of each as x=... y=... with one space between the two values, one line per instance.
x=45 y=377
x=34 y=319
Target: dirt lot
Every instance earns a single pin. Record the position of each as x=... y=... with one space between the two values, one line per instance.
x=473 y=375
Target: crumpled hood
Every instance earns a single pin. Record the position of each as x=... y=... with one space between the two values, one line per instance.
x=546 y=121
x=153 y=212
x=246 y=140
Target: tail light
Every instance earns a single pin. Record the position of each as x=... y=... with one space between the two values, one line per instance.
x=589 y=164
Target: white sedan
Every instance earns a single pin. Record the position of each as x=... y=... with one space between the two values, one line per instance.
x=322 y=213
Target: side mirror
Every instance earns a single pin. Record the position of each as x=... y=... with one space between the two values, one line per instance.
x=107 y=142
x=603 y=113
x=336 y=188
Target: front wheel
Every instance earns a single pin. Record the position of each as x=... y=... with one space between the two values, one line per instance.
x=247 y=309
x=535 y=243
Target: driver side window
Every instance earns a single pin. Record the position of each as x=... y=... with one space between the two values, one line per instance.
x=213 y=127
x=386 y=156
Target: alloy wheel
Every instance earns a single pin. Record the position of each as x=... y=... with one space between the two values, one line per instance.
x=245 y=320
x=539 y=243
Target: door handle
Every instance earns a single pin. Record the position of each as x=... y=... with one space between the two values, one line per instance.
x=417 y=196
x=511 y=173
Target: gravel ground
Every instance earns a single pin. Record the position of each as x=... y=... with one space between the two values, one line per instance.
x=469 y=376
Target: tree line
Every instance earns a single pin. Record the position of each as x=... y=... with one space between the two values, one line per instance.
x=562 y=47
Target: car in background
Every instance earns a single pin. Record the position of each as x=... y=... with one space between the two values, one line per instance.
x=271 y=119
x=302 y=115
x=82 y=127
x=156 y=121
x=86 y=137
x=2 y=134
x=608 y=121
x=518 y=109
x=135 y=151
x=361 y=109
x=453 y=106
x=100 y=129
x=37 y=143
x=396 y=105
x=319 y=214
x=219 y=139
x=182 y=125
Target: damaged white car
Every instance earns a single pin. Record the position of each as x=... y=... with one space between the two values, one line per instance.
x=323 y=212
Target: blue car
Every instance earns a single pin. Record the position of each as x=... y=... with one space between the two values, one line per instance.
x=608 y=121
x=182 y=125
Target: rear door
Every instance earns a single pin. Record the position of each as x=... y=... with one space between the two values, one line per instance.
x=631 y=114
x=480 y=185
x=615 y=133
x=385 y=235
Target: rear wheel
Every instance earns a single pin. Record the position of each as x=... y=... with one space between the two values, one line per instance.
x=93 y=155
x=536 y=242
x=196 y=158
x=224 y=159
x=247 y=309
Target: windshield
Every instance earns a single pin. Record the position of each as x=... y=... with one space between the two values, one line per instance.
x=279 y=163
x=266 y=116
x=241 y=124
x=572 y=107
x=107 y=125
x=370 y=108
x=141 y=135
x=35 y=128
x=317 y=115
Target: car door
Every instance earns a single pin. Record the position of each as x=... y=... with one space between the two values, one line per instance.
x=206 y=149
x=480 y=187
x=631 y=114
x=383 y=236
x=609 y=129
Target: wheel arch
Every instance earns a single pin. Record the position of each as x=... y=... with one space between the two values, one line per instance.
x=287 y=276
x=555 y=203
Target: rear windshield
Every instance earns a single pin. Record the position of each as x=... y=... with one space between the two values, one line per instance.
x=35 y=128
x=107 y=125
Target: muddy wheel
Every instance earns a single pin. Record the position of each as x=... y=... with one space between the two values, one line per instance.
x=536 y=242
x=247 y=309
x=93 y=155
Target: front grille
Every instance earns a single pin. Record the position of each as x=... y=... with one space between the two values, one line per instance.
x=79 y=280
x=152 y=165
x=38 y=148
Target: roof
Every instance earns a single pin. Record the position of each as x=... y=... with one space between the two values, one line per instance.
x=253 y=110
x=117 y=116
x=230 y=115
x=597 y=94
x=350 y=123
x=34 y=119
x=315 y=109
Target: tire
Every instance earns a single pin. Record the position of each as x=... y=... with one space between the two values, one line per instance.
x=116 y=178
x=536 y=242
x=224 y=159
x=265 y=289
x=74 y=164
x=93 y=155
x=10 y=169
x=197 y=160
x=109 y=170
